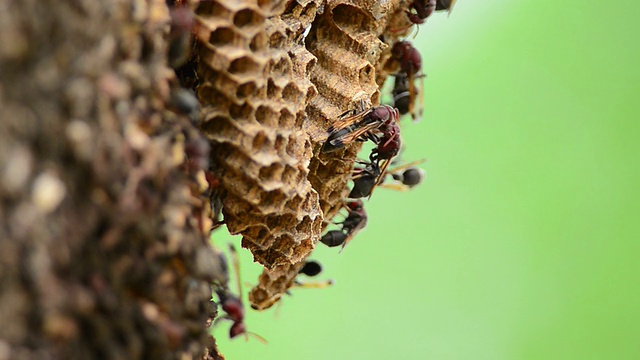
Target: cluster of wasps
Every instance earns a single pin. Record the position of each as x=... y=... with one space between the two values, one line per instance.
x=379 y=124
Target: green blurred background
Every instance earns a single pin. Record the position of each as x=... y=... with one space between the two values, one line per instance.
x=523 y=242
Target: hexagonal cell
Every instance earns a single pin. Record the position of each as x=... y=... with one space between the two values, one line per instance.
x=287 y=119
x=270 y=6
x=280 y=222
x=352 y=19
x=309 y=10
x=375 y=98
x=305 y=225
x=274 y=198
x=280 y=142
x=272 y=172
x=247 y=18
x=240 y=111
x=310 y=65
x=311 y=93
x=295 y=202
x=292 y=145
x=244 y=64
x=210 y=95
x=245 y=90
x=291 y=94
x=266 y=116
x=212 y=8
x=258 y=296
x=261 y=142
x=282 y=66
x=259 y=42
x=217 y=124
x=272 y=89
x=366 y=74
x=289 y=174
x=301 y=117
x=277 y=39
x=221 y=36
x=285 y=244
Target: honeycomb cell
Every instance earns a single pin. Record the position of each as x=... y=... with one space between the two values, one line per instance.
x=212 y=7
x=286 y=119
x=352 y=19
x=301 y=118
x=291 y=94
x=274 y=198
x=375 y=98
x=277 y=39
x=311 y=93
x=292 y=146
x=244 y=64
x=282 y=66
x=280 y=141
x=273 y=171
x=218 y=124
x=272 y=89
x=261 y=142
x=221 y=36
x=366 y=74
x=209 y=93
x=295 y=202
x=242 y=111
x=266 y=116
x=245 y=90
x=305 y=224
x=289 y=174
x=258 y=42
x=247 y=18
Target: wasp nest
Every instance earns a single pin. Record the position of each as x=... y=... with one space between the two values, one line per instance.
x=273 y=75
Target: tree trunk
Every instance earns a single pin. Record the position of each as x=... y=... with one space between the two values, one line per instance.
x=101 y=253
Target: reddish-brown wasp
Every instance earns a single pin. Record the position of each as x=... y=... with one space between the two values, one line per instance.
x=231 y=304
x=424 y=8
x=359 y=126
x=355 y=221
x=404 y=89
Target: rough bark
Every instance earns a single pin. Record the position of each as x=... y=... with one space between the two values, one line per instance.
x=101 y=251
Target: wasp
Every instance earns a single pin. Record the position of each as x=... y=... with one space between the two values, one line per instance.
x=231 y=304
x=366 y=178
x=311 y=268
x=359 y=126
x=355 y=221
x=404 y=89
x=424 y=8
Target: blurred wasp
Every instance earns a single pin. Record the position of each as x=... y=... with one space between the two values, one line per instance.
x=359 y=126
x=355 y=221
x=311 y=268
x=404 y=90
x=365 y=179
x=231 y=304
x=424 y=8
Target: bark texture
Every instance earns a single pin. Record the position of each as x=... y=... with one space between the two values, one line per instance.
x=102 y=254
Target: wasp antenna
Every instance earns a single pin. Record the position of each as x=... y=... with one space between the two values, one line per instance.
x=406 y=166
x=256 y=336
x=236 y=268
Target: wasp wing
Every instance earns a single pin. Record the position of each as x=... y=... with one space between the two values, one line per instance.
x=345 y=121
